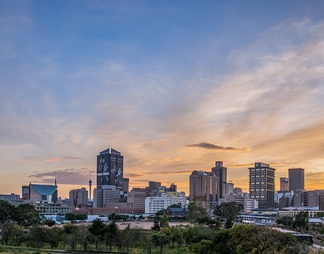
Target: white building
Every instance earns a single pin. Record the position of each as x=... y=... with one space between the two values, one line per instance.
x=154 y=204
x=250 y=204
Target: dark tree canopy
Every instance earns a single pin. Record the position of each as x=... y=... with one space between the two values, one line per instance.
x=228 y=211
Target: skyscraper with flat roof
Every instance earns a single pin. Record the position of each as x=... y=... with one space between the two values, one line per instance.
x=221 y=172
x=203 y=188
x=296 y=179
x=284 y=184
x=110 y=171
x=262 y=184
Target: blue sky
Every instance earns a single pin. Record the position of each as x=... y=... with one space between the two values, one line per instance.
x=172 y=85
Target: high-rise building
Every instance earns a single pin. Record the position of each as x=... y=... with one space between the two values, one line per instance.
x=78 y=198
x=296 y=179
x=203 y=188
x=262 y=184
x=284 y=184
x=109 y=173
x=221 y=172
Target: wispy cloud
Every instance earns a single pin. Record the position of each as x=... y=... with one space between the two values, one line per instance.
x=79 y=176
x=215 y=147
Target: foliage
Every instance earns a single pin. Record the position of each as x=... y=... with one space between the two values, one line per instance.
x=202 y=247
x=253 y=239
x=285 y=221
x=160 y=212
x=26 y=215
x=196 y=213
x=6 y=211
x=164 y=221
x=49 y=222
x=156 y=225
x=9 y=231
x=111 y=234
x=160 y=239
x=301 y=221
x=228 y=211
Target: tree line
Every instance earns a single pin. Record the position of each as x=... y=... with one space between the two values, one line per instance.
x=203 y=236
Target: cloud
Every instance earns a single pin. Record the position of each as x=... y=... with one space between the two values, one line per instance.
x=214 y=147
x=79 y=176
x=55 y=159
x=133 y=175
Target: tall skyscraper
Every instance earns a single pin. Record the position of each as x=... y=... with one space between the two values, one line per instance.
x=109 y=173
x=262 y=184
x=203 y=188
x=296 y=179
x=221 y=173
x=284 y=184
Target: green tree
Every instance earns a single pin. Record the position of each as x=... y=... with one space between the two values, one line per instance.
x=196 y=213
x=26 y=215
x=219 y=241
x=301 y=221
x=176 y=235
x=81 y=216
x=160 y=212
x=285 y=221
x=111 y=234
x=6 y=211
x=253 y=239
x=164 y=221
x=160 y=239
x=9 y=231
x=98 y=229
x=70 y=216
x=53 y=236
x=36 y=236
x=202 y=247
x=228 y=212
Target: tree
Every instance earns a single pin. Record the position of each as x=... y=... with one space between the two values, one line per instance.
x=6 y=211
x=70 y=216
x=246 y=238
x=49 y=222
x=196 y=213
x=37 y=235
x=176 y=235
x=202 y=247
x=301 y=221
x=98 y=229
x=285 y=221
x=160 y=212
x=111 y=234
x=26 y=215
x=160 y=239
x=219 y=241
x=10 y=231
x=81 y=216
x=228 y=211
x=164 y=221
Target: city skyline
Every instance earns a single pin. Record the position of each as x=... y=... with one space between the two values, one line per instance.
x=173 y=86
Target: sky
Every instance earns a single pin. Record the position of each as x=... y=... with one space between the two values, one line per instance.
x=172 y=85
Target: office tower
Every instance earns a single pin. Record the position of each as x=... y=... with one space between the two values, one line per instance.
x=284 y=184
x=125 y=185
x=296 y=179
x=78 y=198
x=25 y=192
x=262 y=184
x=109 y=173
x=203 y=188
x=42 y=193
x=221 y=172
x=229 y=188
